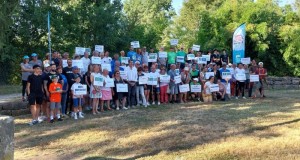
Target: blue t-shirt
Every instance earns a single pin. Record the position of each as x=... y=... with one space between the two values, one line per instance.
x=132 y=55
x=64 y=78
x=139 y=58
x=221 y=71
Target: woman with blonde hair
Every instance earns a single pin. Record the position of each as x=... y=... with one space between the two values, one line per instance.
x=95 y=92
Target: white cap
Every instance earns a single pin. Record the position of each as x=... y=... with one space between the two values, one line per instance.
x=46 y=65
x=186 y=68
x=195 y=79
x=260 y=63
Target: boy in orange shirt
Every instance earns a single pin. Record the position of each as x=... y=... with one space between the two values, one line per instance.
x=55 y=90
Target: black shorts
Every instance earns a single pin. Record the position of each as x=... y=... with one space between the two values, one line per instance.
x=35 y=99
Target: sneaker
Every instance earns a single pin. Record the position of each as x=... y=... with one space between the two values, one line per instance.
x=145 y=106
x=75 y=116
x=236 y=97
x=81 y=116
x=125 y=108
x=244 y=98
x=153 y=103
x=148 y=104
x=59 y=119
x=158 y=103
x=40 y=119
x=33 y=122
x=52 y=121
x=133 y=106
x=117 y=108
x=138 y=105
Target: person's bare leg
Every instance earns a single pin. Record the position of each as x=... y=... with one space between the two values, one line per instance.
x=33 y=111
x=108 y=104
x=102 y=103
x=158 y=97
x=124 y=102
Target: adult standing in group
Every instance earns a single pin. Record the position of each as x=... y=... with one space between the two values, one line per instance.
x=162 y=61
x=262 y=72
x=132 y=54
x=64 y=59
x=27 y=70
x=55 y=58
x=240 y=86
x=185 y=79
x=172 y=85
x=154 y=88
x=68 y=72
x=183 y=54
x=86 y=62
x=224 y=57
x=95 y=92
x=35 y=60
x=64 y=93
x=171 y=57
x=151 y=63
x=252 y=70
x=114 y=64
x=144 y=56
x=139 y=56
x=132 y=77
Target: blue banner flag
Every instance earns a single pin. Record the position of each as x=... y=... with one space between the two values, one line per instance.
x=238 y=43
x=49 y=37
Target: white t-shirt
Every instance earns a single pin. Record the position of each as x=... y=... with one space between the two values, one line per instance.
x=86 y=62
x=75 y=85
x=208 y=84
x=105 y=88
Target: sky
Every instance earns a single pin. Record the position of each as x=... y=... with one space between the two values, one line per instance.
x=177 y=4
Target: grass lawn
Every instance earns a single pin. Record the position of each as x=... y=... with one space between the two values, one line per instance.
x=239 y=129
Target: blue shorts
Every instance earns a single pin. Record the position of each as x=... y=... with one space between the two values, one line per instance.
x=76 y=102
x=154 y=89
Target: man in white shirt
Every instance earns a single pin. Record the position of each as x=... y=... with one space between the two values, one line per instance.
x=132 y=77
x=240 y=77
x=86 y=62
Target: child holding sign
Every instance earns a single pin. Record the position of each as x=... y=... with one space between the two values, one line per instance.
x=55 y=90
x=77 y=98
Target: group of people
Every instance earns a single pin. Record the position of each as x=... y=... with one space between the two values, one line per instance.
x=56 y=88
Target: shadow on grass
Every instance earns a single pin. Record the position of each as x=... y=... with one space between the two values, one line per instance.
x=194 y=126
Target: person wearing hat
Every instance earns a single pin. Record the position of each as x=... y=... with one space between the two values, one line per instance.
x=195 y=95
x=185 y=79
x=262 y=72
x=55 y=90
x=35 y=93
x=35 y=60
x=26 y=70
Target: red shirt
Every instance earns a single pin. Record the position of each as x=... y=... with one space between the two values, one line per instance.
x=261 y=72
x=55 y=97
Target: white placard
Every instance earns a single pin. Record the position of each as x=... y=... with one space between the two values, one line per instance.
x=180 y=59
x=135 y=44
x=184 y=88
x=202 y=60
x=190 y=56
x=96 y=60
x=246 y=60
x=162 y=54
x=254 y=78
x=214 y=88
x=79 y=50
x=231 y=70
x=109 y=82
x=196 y=88
x=106 y=66
x=177 y=79
x=177 y=72
x=65 y=63
x=174 y=42
x=125 y=60
x=226 y=75
x=152 y=81
x=208 y=74
x=164 y=78
x=99 y=48
x=196 y=47
x=207 y=57
x=80 y=90
x=123 y=74
x=98 y=80
x=152 y=57
x=122 y=87
x=143 y=80
x=240 y=77
x=77 y=63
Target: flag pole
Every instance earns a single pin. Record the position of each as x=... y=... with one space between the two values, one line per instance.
x=49 y=38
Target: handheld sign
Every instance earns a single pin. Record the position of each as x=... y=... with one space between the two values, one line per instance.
x=109 y=82
x=208 y=74
x=122 y=87
x=240 y=77
x=174 y=42
x=177 y=72
x=163 y=54
x=214 y=88
x=77 y=63
x=99 y=48
x=143 y=80
x=202 y=60
x=98 y=80
x=96 y=60
x=196 y=47
x=196 y=88
x=64 y=63
x=106 y=66
x=177 y=79
x=207 y=57
x=245 y=60
x=135 y=44
x=226 y=75
x=190 y=57
x=80 y=90
x=254 y=78
x=184 y=88
x=152 y=81
x=123 y=74
x=152 y=57
x=164 y=78
x=180 y=59
x=79 y=50
x=125 y=60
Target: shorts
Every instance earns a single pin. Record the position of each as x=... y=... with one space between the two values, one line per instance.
x=35 y=99
x=55 y=105
x=174 y=89
x=147 y=87
x=77 y=102
x=154 y=89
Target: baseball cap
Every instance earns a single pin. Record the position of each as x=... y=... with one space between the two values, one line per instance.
x=25 y=57
x=33 y=55
x=260 y=63
x=46 y=65
x=36 y=66
x=53 y=76
x=75 y=67
x=76 y=76
x=195 y=79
